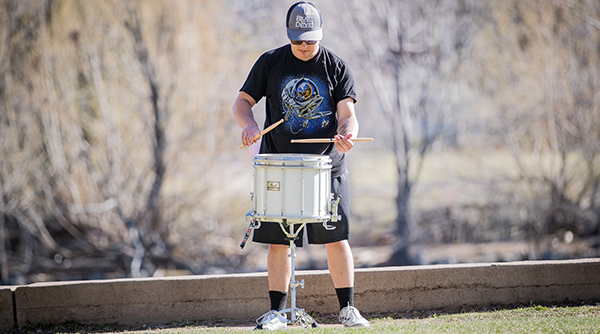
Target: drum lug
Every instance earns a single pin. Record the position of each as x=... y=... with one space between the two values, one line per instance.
x=334 y=209
x=328 y=227
x=254 y=222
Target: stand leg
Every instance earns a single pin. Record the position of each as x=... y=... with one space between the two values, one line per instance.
x=296 y=315
x=293 y=283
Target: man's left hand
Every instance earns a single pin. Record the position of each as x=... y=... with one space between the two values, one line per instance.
x=343 y=143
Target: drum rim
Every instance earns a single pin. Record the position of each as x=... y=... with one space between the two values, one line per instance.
x=292 y=157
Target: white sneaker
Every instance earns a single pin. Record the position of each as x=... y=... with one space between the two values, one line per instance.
x=271 y=321
x=350 y=317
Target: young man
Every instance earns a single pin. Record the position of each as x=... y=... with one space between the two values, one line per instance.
x=312 y=89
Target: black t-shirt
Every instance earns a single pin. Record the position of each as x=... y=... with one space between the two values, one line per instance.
x=305 y=94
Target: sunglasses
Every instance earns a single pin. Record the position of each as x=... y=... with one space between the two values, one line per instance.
x=307 y=42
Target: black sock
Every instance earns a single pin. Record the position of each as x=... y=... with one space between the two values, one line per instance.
x=278 y=300
x=345 y=296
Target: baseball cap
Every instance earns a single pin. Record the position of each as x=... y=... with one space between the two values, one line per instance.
x=304 y=23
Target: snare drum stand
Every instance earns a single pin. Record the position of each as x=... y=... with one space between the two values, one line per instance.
x=296 y=315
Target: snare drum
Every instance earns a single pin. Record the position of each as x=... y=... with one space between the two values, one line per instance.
x=292 y=187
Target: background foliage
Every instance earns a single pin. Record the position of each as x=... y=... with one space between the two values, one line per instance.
x=118 y=150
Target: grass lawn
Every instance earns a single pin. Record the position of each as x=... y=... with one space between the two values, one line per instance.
x=536 y=319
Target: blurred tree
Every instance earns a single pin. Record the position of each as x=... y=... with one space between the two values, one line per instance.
x=7 y=17
x=95 y=170
x=413 y=52
x=545 y=80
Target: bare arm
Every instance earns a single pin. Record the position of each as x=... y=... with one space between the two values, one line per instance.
x=347 y=125
x=242 y=111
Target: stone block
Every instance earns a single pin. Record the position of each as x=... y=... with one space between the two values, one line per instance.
x=7 y=316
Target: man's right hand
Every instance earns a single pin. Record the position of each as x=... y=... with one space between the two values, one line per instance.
x=249 y=133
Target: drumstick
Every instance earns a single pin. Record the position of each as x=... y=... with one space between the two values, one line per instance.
x=327 y=140
x=265 y=131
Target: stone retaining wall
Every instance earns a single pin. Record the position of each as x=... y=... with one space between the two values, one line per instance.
x=154 y=301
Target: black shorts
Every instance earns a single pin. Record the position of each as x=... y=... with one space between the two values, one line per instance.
x=271 y=233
